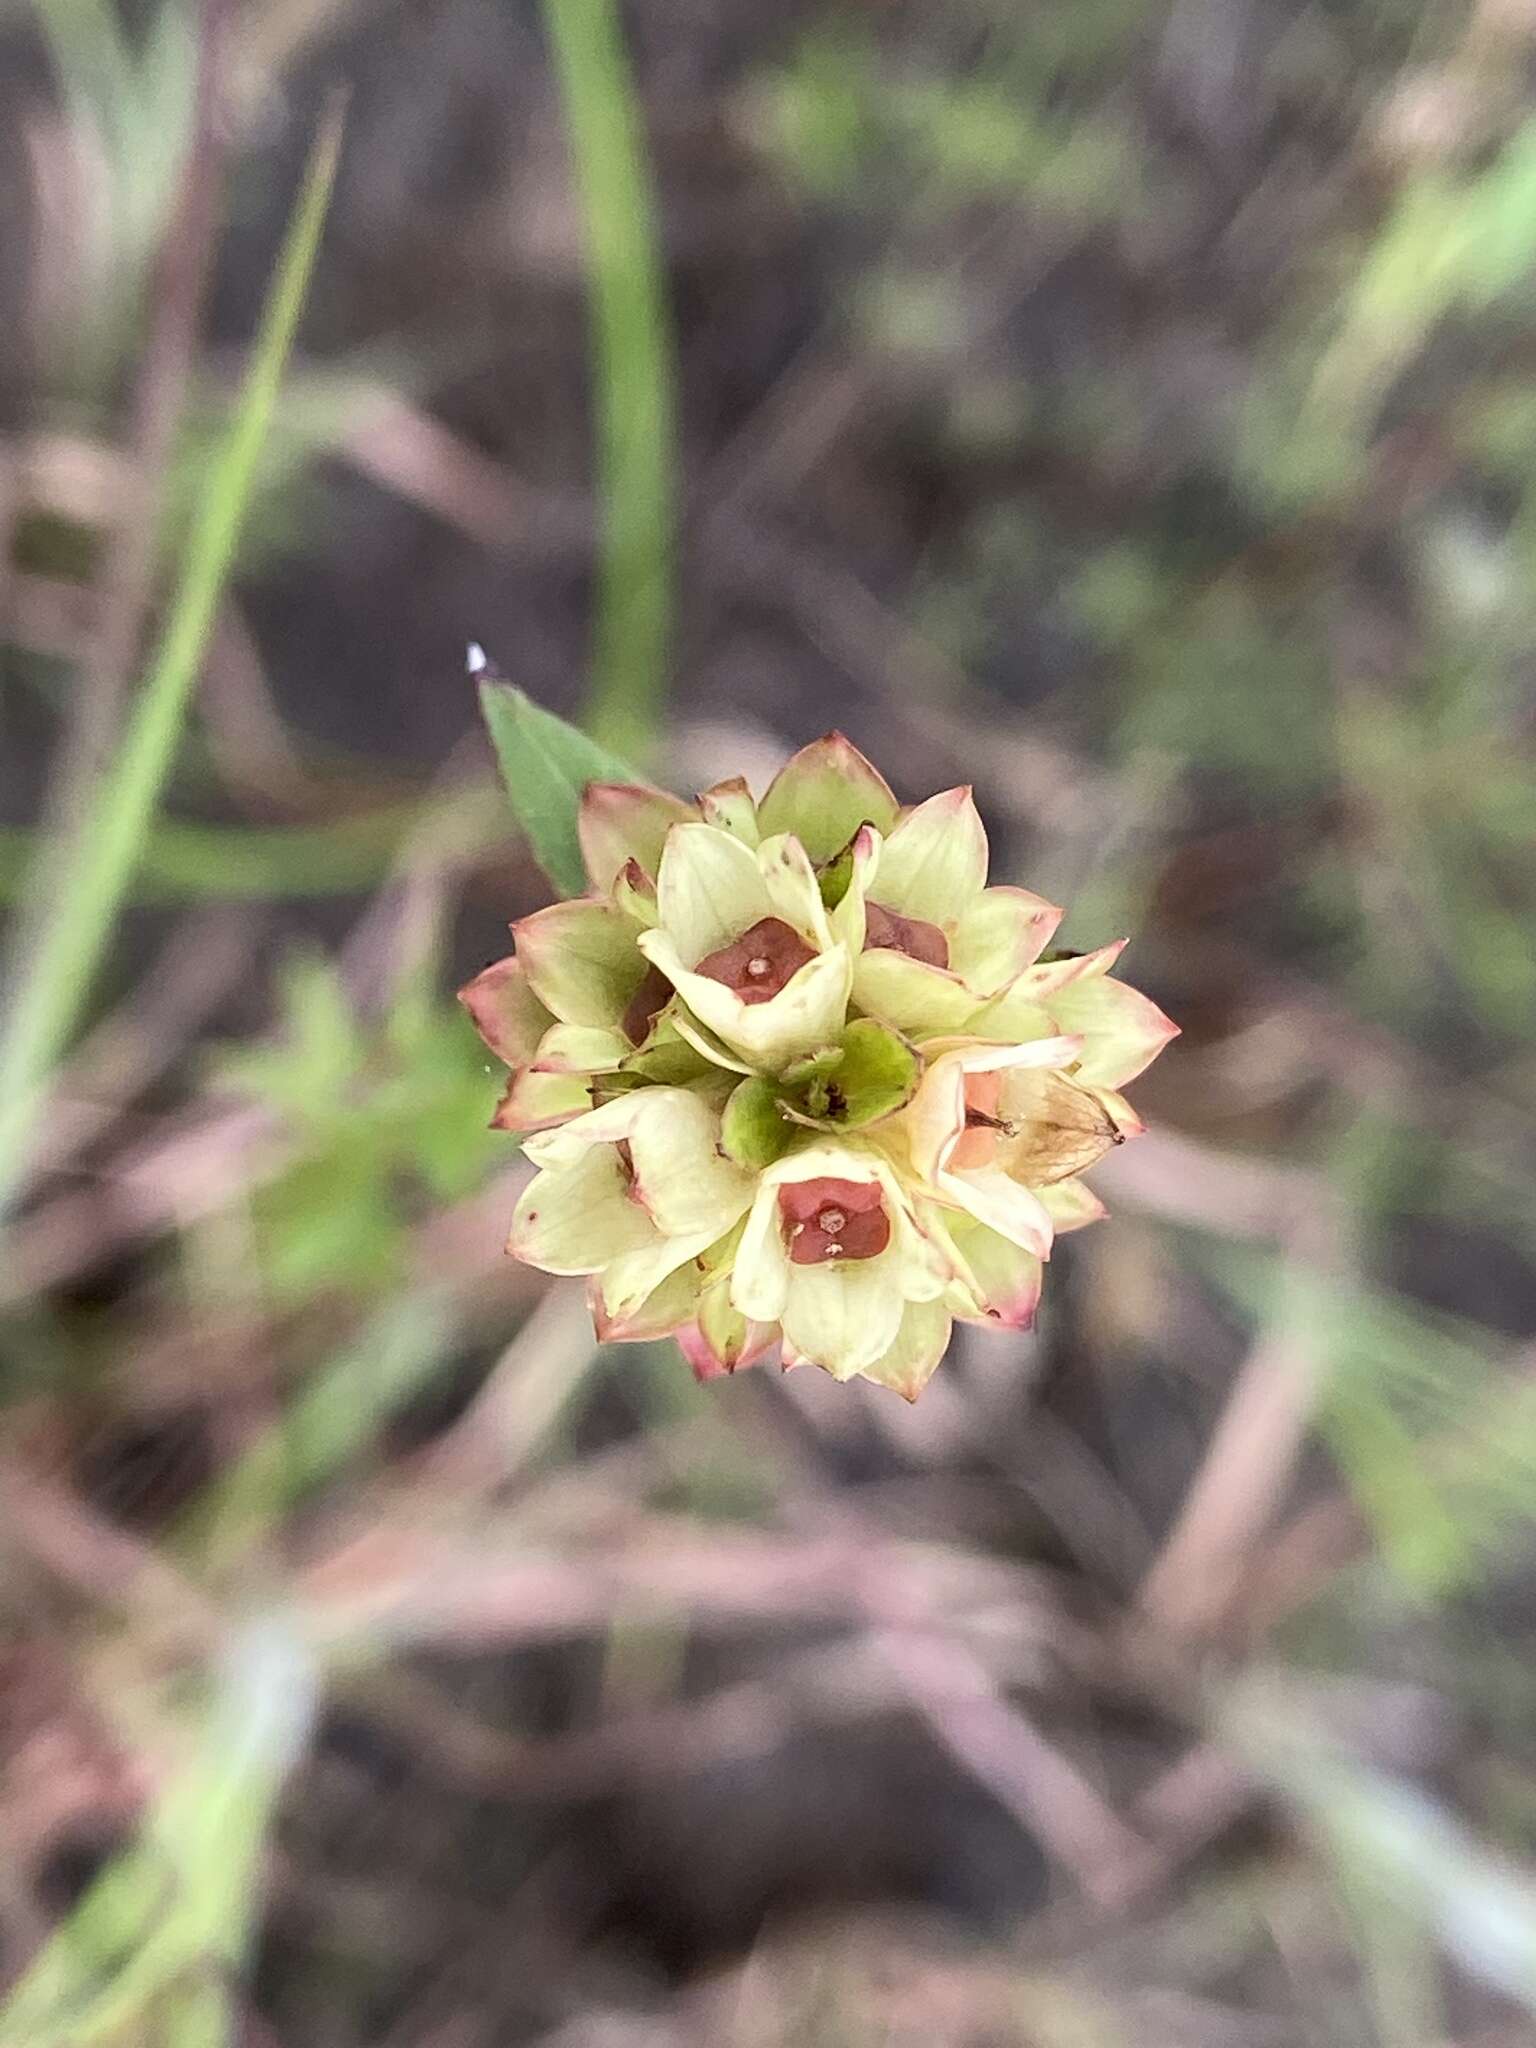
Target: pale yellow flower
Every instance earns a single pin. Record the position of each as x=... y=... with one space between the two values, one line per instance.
x=793 y=1075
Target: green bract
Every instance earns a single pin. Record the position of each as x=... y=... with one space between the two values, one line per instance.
x=792 y=1075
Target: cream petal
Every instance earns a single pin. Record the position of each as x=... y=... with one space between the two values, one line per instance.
x=535 y=1102
x=992 y=1198
x=1059 y=1051
x=921 y=1339
x=1070 y=1205
x=622 y=821
x=843 y=1316
x=708 y=1046
x=924 y=1271
x=1011 y=1018
x=722 y=1339
x=807 y=1013
x=505 y=1011
x=829 y=1159
x=1038 y=984
x=933 y=865
x=581 y=960
x=627 y=1281
x=710 y=890
x=913 y=998
x=581 y=1049
x=1002 y=1278
x=680 y=1177
x=935 y=1117
x=662 y=1312
x=1123 y=1031
x=760 y=1276
x=848 y=918
x=606 y=1126
x=578 y=1219
x=1000 y=934
x=680 y=1174
x=824 y=794
x=793 y=889
x=729 y=805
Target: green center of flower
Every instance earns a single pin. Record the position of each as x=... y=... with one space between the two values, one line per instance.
x=827 y=1219
x=913 y=936
x=758 y=964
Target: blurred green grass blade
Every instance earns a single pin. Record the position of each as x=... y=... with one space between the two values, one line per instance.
x=1434 y=1438
x=135 y=99
x=185 y=862
x=54 y=981
x=1390 y=1837
x=92 y=62
x=546 y=764
x=1419 y=1535
x=1417 y=1351
x=174 y=1913
x=634 y=374
x=1383 y=1364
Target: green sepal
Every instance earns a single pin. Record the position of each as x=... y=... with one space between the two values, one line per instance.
x=722 y=1326
x=814 y=1066
x=729 y=805
x=606 y=1088
x=824 y=794
x=666 y=1058
x=754 y=1131
x=834 y=875
x=546 y=764
x=635 y=894
x=877 y=1074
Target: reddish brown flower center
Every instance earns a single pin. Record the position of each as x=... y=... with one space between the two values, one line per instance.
x=760 y=962
x=983 y=1125
x=653 y=995
x=828 y=1219
x=913 y=936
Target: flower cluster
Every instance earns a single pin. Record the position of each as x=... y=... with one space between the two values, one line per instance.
x=793 y=1075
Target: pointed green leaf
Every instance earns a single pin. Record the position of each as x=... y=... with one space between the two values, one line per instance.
x=546 y=764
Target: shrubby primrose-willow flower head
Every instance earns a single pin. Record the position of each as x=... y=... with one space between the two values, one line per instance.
x=793 y=1075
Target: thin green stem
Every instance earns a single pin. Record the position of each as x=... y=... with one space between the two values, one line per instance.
x=183 y=862
x=55 y=977
x=633 y=367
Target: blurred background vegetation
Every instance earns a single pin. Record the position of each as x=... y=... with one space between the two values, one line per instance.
x=1128 y=408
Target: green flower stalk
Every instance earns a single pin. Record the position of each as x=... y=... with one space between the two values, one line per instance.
x=793 y=1076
